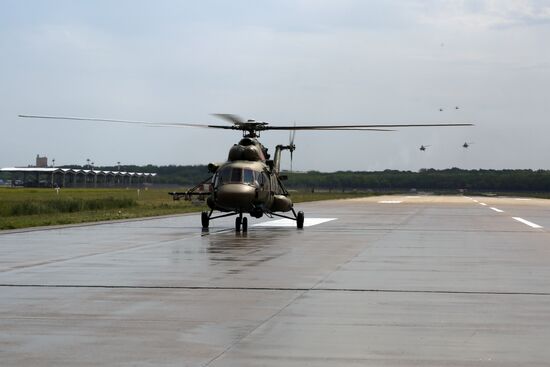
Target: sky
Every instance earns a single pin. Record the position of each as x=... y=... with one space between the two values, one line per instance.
x=283 y=62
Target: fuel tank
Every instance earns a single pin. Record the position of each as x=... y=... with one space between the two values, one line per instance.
x=281 y=204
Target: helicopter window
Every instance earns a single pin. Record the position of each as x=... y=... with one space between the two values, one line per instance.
x=224 y=175
x=248 y=176
x=263 y=179
x=236 y=175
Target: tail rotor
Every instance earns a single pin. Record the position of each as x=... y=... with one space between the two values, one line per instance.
x=291 y=145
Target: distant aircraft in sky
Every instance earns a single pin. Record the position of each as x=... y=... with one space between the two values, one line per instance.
x=423 y=147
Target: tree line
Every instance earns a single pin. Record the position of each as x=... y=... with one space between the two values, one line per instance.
x=425 y=179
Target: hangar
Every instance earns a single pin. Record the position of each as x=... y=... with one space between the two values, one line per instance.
x=73 y=177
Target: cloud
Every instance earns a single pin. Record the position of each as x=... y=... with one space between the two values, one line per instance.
x=480 y=15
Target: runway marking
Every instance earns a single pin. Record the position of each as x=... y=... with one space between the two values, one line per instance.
x=390 y=202
x=308 y=222
x=483 y=204
x=530 y=224
x=475 y=201
x=497 y=210
x=522 y=199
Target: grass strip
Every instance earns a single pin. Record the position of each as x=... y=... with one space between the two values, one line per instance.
x=25 y=207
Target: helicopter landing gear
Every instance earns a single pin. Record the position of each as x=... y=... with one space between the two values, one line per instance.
x=298 y=217
x=205 y=219
x=300 y=220
x=241 y=222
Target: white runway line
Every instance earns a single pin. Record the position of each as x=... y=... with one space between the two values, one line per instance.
x=522 y=199
x=390 y=202
x=475 y=201
x=483 y=204
x=308 y=222
x=530 y=224
x=497 y=210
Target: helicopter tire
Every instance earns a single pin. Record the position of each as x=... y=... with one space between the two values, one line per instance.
x=238 y=224
x=245 y=224
x=205 y=219
x=300 y=220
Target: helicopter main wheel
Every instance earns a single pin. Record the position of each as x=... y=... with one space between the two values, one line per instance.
x=205 y=219
x=300 y=220
x=238 y=224
x=245 y=224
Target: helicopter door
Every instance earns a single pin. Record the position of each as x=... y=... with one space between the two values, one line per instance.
x=263 y=180
x=263 y=187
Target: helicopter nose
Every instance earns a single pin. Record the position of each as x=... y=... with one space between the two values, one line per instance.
x=236 y=196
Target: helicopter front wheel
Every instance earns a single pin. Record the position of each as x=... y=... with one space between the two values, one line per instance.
x=300 y=220
x=245 y=224
x=238 y=224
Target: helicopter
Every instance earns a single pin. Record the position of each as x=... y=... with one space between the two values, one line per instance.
x=423 y=147
x=466 y=144
x=441 y=108
x=249 y=181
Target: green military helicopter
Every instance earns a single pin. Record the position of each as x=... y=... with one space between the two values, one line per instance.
x=249 y=182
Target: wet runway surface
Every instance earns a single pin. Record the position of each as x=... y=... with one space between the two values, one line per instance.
x=391 y=281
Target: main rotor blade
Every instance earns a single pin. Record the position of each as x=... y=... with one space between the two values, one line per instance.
x=239 y=124
x=146 y=123
x=358 y=127
x=235 y=119
x=345 y=129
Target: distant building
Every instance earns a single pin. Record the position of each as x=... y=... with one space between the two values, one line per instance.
x=41 y=161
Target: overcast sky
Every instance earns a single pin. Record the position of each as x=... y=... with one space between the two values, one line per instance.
x=308 y=61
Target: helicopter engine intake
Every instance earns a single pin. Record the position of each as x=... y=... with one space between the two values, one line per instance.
x=247 y=150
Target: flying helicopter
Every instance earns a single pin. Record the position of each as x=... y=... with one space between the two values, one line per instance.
x=423 y=147
x=466 y=144
x=249 y=181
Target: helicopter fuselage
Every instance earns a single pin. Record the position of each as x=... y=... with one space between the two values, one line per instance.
x=247 y=187
x=248 y=182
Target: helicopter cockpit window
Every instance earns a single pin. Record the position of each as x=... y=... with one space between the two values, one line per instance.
x=224 y=175
x=263 y=179
x=236 y=175
x=248 y=176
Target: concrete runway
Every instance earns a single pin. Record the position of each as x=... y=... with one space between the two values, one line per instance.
x=393 y=281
